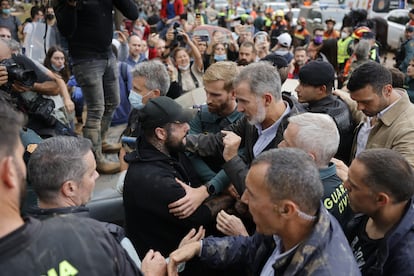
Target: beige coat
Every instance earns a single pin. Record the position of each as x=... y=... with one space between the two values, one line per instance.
x=394 y=130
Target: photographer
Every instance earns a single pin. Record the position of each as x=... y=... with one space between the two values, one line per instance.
x=190 y=73
x=30 y=88
x=88 y=27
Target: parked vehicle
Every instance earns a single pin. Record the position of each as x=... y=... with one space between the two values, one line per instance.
x=397 y=20
x=316 y=16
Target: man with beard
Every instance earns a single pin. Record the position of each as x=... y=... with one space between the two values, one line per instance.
x=71 y=244
x=300 y=58
x=266 y=112
x=219 y=112
x=159 y=173
x=380 y=186
x=247 y=53
x=389 y=112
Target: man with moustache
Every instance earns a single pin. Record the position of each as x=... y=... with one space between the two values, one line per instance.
x=388 y=112
x=259 y=97
x=247 y=53
x=71 y=244
x=380 y=187
x=159 y=173
x=295 y=235
x=219 y=112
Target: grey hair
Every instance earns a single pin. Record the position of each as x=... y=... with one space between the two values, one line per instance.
x=362 y=49
x=317 y=133
x=292 y=175
x=262 y=78
x=155 y=75
x=55 y=161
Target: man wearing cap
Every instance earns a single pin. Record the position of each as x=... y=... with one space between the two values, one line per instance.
x=316 y=80
x=330 y=32
x=279 y=26
x=407 y=49
x=219 y=112
x=282 y=47
x=159 y=173
x=301 y=36
x=280 y=63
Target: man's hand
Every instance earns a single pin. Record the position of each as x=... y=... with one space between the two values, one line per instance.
x=233 y=191
x=193 y=236
x=154 y=264
x=3 y=75
x=170 y=35
x=122 y=36
x=19 y=87
x=341 y=169
x=230 y=225
x=183 y=254
x=231 y=142
x=186 y=206
x=153 y=40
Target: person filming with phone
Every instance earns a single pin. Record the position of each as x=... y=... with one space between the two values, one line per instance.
x=190 y=73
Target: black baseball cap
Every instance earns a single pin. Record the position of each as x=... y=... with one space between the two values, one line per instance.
x=317 y=73
x=161 y=111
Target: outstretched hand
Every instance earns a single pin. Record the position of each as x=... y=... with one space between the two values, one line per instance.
x=188 y=204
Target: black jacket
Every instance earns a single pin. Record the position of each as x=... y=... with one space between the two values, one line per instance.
x=212 y=144
x=69 y=243
x=150 y=186
x=339 y=111
x=88 y=26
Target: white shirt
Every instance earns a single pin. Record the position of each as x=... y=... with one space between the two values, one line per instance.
x=366 y=128
x=267 y=135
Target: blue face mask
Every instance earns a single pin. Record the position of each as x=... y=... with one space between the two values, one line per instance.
x=220 y=57
x=135 y=99
x=6 y=11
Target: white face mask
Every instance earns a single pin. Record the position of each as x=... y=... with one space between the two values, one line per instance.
x=183 y=68
x=344 y=35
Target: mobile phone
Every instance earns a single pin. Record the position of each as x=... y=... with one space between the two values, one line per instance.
x=204 y=38
x=248 y=29
x=153 y=29
x=260 y=38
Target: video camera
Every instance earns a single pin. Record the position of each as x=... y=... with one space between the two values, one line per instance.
x=39 y=106
x=18 y=73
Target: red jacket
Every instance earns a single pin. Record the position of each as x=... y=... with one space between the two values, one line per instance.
x=178 y=8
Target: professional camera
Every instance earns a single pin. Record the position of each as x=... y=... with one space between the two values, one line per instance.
x=18 y=73
x=177 y=36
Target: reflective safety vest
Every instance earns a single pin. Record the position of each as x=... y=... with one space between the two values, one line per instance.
x=343 y=45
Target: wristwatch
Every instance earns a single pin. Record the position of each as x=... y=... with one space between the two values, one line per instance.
x=210 y=188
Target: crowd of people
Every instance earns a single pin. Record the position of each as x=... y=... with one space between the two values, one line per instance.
x=255 y=181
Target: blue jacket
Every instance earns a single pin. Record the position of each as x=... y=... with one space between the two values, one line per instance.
x=125 y=84
x=395 y=254
x=324 y=252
